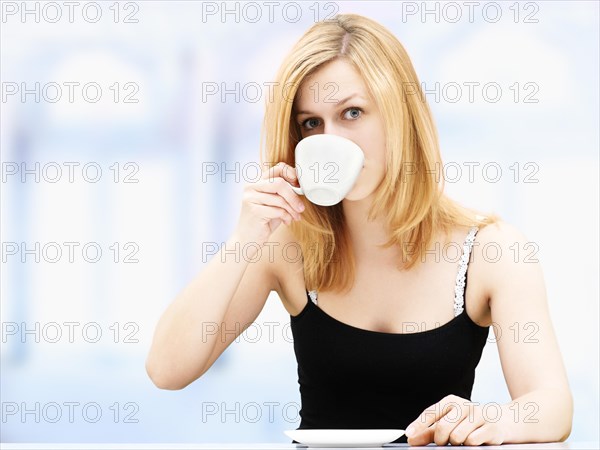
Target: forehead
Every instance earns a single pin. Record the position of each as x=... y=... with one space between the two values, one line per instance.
x=331 y=83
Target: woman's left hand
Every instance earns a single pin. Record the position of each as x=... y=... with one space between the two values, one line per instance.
x=455 y=420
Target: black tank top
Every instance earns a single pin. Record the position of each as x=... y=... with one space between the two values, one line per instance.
x=352 y=378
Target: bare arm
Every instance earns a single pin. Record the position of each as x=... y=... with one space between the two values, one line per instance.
x=229 y=293
x=189 y=331
x=541 y=409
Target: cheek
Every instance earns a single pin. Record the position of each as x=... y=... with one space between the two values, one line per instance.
x=375 y=165
x=375 y=155
x=373 y=145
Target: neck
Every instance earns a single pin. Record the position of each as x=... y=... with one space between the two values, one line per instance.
x=366 y=236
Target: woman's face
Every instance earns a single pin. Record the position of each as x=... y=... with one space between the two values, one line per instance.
x=335 y=100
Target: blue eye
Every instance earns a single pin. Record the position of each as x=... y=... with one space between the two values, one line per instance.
x=309 y=124
x=354 y=113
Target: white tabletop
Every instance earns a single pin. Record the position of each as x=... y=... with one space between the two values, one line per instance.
x=265 y=446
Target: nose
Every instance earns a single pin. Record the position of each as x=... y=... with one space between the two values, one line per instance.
x=330 y=128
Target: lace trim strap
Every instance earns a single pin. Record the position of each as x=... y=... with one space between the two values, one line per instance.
x=459 y=288
x=313 y=296
x=460 y=278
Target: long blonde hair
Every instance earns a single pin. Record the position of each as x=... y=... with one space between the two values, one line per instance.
x=410 y=201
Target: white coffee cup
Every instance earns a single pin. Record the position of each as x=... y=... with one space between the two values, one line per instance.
x=327 y=167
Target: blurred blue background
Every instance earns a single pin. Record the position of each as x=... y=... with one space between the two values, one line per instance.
x=160 y=211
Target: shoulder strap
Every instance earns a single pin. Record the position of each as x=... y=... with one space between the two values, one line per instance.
x=459 y=288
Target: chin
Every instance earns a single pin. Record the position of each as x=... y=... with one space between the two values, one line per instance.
x=357 y=196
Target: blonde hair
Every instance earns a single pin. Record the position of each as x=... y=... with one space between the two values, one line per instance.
x=410 y=201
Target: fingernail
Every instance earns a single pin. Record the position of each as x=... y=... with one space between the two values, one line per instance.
x=301 y=206
x=410 y=430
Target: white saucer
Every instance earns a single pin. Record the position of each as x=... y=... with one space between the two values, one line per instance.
x=344 y=438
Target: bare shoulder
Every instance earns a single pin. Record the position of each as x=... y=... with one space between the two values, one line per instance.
x=500 y=249
x=497 y=241
x=500 y=231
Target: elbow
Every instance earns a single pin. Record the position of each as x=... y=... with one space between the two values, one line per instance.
x=565 y=436
x=568 y=425
x=166 y=384
x=567 y=430
x=164 y=379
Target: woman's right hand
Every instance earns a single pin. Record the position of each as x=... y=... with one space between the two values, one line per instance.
x=269 y=202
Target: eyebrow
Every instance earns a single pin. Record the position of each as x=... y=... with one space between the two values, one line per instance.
x=340 y=103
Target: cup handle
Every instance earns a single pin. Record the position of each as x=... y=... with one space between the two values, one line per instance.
x=297 y=190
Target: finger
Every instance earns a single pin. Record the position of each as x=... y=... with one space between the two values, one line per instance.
x=427 y=418
x=470 y=423
x=280 y=186
x=273 y=213
x=482 y=435
x=424 y=437
x=487 y=434
x=433 y=413
x=446 y=425
x=274 y=200
x=282 y=170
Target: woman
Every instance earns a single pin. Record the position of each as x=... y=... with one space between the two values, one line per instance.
x=381 y=337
